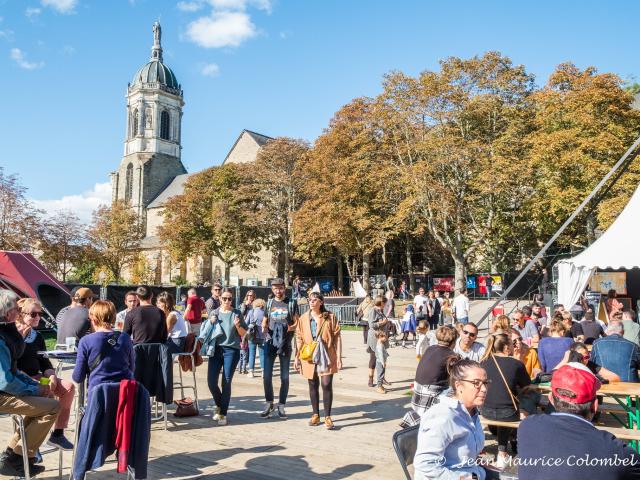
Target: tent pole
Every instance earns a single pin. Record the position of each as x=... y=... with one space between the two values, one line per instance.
x=629 y=155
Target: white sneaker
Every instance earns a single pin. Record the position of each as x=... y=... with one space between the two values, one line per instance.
x=251 y=374
x=281 y=412
x=501 y=461
x=216 y=415
x=222 y=420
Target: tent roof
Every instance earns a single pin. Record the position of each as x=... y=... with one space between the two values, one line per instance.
x=618 y=246
x=24 y=274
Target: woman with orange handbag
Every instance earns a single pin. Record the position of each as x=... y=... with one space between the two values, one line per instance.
x=318 y=325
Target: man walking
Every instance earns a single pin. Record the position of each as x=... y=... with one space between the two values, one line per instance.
x=278 y=325
x=213 y=303
x=461 y=307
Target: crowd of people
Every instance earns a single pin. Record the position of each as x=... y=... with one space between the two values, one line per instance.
x=232 y=338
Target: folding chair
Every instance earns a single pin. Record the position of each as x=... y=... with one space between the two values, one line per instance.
x=405 y=443
x=180 y=384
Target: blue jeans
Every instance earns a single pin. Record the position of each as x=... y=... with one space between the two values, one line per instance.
x=252 y=355
x=225 y=359
x=464 y=320
x=268 y=354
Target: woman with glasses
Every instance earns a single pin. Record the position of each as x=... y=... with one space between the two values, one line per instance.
x=432 y=376
x=247 y=304
x=226 y=353
x=315 y=324
x=508 y=377
x=38 y=367
x=450 y=437
x=523 y=352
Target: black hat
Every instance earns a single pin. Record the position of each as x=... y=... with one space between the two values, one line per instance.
x=276 y=281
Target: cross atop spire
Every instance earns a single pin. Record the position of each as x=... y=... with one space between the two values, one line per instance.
x=156 y=50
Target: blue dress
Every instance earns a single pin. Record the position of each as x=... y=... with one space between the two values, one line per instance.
x=409 y=324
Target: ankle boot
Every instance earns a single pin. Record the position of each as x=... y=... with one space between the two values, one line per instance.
x=371 y=382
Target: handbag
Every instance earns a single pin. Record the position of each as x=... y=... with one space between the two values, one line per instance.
x=308 y=349
x=186 y=407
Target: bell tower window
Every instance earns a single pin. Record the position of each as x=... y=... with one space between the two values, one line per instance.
x=128 y=186
x=164 y=125
x=136 y=122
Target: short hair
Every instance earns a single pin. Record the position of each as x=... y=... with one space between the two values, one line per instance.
x=517 y=310
x=130 y=292
x=259 y=303
x=8 y=301
x=471 y=324
x=192 y=291
x=446 y=334
x=25 y=305
x=144 y=293
x=615 y=327
x=216 y=285
x=103 y=313
x=562 y=406
x=527 y=311
x=630 y=314
x=167 y=299
x=379 y=301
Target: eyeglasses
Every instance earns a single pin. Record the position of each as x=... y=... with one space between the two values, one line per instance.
x=227 y=298
x=516 y=341
x=217 y=289
x=34 y=314
x=471 y=334
x=478 y=383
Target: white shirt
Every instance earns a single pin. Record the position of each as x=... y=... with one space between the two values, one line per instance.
x=461 y=306
x=119 y=326
x=180 y=327
x=420 y=301
x=475 y=352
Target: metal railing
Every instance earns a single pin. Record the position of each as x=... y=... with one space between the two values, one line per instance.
x=346 y=314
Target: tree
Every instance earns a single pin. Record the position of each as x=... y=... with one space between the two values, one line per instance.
x=347 y=189
x=274 y=182
x=212 y=217
x=19 y=219
x=584 y=123
x=458 y=138
x=62 y=243
x=114 y=234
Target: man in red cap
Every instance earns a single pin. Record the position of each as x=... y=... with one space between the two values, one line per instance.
x=565 y=444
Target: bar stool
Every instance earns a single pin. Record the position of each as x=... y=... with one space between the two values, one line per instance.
x=180 y=384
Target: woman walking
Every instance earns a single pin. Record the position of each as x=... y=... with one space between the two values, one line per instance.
x=225 y=342
x=176 y=324
x=318 y=324
x=376 y=321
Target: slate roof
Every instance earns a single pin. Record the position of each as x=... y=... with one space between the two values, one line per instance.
x=176 y=187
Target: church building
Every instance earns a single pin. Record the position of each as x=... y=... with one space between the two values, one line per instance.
x=151 y=171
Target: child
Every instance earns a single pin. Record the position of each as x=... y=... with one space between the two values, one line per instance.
x=425 y=338
x=244 y=355
x=381 y=359
x=446 y=313
x=409 y=324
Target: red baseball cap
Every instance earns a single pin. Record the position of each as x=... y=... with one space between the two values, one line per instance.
x=577 y=379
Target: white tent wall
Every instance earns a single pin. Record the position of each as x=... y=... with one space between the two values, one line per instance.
x=572 y=281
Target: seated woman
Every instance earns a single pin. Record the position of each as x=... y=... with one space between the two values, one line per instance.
x=552 y=348
x=501 y=324
x=431 y=375
x=176 y=324
x=525 y=354
x=104 y=356
x=450 y=435
x=508 y=377
x=37 y=367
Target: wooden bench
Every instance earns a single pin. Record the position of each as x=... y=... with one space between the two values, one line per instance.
x=619 y=432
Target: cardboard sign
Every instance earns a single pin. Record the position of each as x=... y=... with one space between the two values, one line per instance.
x=604 y=281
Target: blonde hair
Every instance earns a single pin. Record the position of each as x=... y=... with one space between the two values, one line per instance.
x=259 y=303
x=423 y=327
x=501 y=322
x=557 y=327
x=446 y=334
x=25 y=305
x=102 y=313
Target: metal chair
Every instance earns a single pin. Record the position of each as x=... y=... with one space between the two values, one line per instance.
x=405 y=443
x=180 y=384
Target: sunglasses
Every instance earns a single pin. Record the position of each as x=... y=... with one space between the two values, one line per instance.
x=227 y=298
x=217 y=289
x=33 y=314
x=478 y=383
x=471 y=334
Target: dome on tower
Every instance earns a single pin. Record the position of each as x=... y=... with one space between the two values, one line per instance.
x=156 y=74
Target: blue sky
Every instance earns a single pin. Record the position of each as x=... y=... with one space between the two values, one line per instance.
x=278 y=67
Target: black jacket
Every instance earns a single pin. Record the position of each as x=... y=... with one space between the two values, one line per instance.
x=154 y=369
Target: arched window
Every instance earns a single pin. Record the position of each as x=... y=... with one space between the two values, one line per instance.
x=128 y=186
x=164 y=125
x=136 y=122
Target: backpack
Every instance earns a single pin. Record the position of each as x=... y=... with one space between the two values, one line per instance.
x=292 y=303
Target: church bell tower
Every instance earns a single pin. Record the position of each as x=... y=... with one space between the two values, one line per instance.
x=152 y=148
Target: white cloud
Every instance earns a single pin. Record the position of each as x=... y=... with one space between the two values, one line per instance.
x=210 y=70
x=19 y=57
x=32 y=12
x=241 y=4
x=7 y=35
x=190 y=6
x=82 y=205
x=61 y=6
x=68 y=50
x=221 y=29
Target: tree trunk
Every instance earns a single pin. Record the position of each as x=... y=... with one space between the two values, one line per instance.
x=287 y=266
x=460 y=272
x=412 y=278
x=227 y=274
x=591 y=228
x=366 y=284
x=340 y=272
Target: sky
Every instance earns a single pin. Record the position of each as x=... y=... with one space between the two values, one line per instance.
x=277 y=67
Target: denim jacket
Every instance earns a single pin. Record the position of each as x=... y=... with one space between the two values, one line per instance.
x=208 y=334
x=449 y=441
x=619 y=355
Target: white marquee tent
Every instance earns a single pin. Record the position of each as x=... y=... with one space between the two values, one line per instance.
x=617 y=248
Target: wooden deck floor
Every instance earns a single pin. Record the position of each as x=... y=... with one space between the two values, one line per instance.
x=251 y=448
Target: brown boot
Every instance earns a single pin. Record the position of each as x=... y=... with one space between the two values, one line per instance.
x=380 y=389
x=328 y=423
x=315 y=420
x=371 y=382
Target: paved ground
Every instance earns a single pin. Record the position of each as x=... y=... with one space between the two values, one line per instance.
x=253 y=448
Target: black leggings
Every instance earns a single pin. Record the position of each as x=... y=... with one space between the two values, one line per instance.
x=405 y=336
x=327 y=393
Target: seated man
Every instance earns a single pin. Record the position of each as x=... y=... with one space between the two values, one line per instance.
x=617 y=354
x=21 y=395
x=466 y=345
x=146 y=323
x=566 y=441
x=75 y=321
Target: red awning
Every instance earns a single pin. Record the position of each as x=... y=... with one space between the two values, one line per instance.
x=24 y=274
